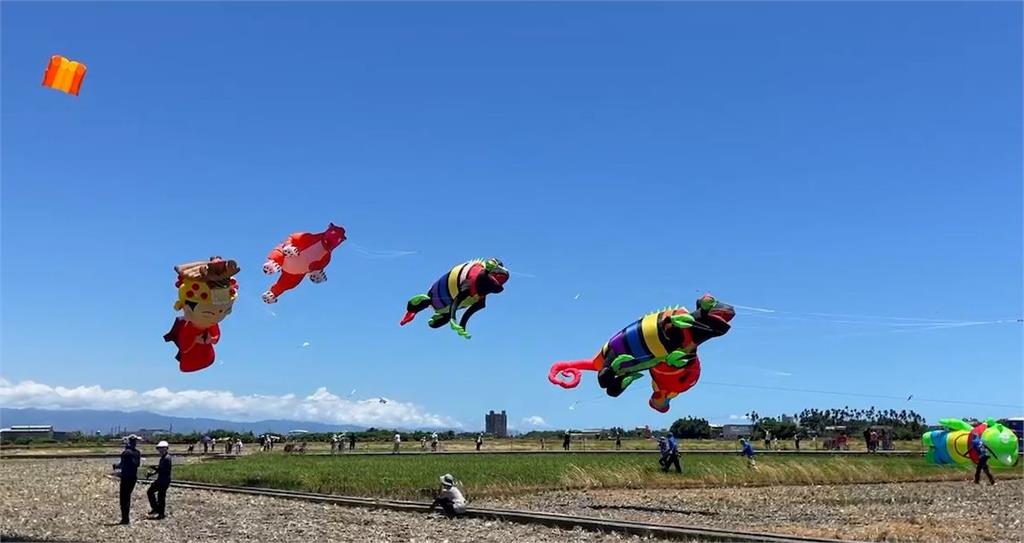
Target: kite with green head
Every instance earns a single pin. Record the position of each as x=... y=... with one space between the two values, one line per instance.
x=952 y=445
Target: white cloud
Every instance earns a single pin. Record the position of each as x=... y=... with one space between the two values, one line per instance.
x=320 y=406
x=534 y=421
x=738 y=417
x=305 y=344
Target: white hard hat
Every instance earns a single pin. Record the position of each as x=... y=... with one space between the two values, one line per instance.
x=162 y=445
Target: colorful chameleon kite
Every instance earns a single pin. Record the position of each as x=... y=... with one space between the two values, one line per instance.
x=206 y=293
x=953 y=445
x=664 y=342
x=466 y=285
x=302 y=254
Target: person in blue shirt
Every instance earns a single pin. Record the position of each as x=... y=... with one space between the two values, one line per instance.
x=129 y=466
x=671 y=454
x=748 y=451
x=978 y=445
x=663 y=449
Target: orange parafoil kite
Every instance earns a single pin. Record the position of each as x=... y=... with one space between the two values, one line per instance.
x=64 y=75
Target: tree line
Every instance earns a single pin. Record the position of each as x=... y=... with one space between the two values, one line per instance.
x=904 y=424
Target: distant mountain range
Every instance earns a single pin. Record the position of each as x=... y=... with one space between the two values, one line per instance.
x=90 y=420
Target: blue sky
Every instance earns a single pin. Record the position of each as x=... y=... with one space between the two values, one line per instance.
x=846 y=158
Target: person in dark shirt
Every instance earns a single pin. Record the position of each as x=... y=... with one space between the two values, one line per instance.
x=565 y=440
x=978 y=445
x=129 y=466
x=671 y=454
x=157 y=492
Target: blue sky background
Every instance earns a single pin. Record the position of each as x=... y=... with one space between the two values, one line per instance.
x=848 y=158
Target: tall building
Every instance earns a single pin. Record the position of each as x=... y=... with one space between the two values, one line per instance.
x=496 y=423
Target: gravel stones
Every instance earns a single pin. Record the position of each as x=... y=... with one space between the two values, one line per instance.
x=74 y=500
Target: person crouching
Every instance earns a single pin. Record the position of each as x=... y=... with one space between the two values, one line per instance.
x=450 y=498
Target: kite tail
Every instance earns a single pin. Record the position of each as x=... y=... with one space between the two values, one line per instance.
x=568 y=374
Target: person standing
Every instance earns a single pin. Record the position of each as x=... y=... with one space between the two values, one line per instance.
x=398 y=443
x=671 y=454
x=565 y=440
x=796 y=439
x=129 y=466
x=767 y=440
x=433 y=442
x=479 y=441
x=979 y=446
x=157 y=492
x=618 y=441
x=352 y=441
x=334 y=443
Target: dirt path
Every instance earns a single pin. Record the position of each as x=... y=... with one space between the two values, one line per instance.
x=939 y=512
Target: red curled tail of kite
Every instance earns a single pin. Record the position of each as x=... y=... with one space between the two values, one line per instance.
x=568 y=374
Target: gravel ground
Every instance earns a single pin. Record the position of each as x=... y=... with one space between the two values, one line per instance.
x=941 y=512
x=73 y=500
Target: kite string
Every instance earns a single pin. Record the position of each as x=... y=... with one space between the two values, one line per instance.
x=376 y=253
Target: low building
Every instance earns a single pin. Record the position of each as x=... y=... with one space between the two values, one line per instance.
x=28 y=431
x=150 y=433
x=733 y=431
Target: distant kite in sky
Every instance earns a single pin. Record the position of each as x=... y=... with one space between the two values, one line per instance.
x=302 y=254
x=64 y=75
x=464 y=286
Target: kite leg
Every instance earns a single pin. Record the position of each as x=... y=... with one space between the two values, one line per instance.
x=274 y=262
x=614 y=384
x=416 y=304
x=660 y=399
x=439 y=319
x=285 y=282
x=625 y=364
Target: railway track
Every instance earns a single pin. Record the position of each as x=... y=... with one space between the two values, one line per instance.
x=555 y=520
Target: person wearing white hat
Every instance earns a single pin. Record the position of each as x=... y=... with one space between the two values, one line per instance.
x=157 y=492
x=450 y=499
x=129 y=466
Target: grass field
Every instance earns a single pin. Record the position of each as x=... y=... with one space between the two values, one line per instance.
x=415 y=476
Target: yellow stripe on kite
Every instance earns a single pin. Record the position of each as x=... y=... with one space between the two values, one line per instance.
x=649 y=327
x=453 y=282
